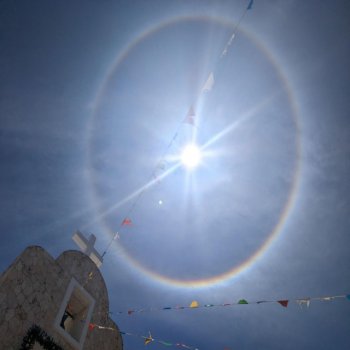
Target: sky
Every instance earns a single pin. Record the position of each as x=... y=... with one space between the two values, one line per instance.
x=94 y=97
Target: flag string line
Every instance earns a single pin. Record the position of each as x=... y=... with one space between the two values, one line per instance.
x=195 y=305
x=147 y=339
x=189 y=119
x=229 y=42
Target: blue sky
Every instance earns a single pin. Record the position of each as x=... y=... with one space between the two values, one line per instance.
x=92 y=92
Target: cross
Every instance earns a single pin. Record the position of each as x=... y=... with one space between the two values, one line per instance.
x=87 y=246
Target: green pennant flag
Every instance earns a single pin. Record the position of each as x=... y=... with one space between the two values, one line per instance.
x=243 y=301
x=165 y=343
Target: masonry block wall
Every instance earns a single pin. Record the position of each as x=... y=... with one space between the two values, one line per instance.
x=32 y=290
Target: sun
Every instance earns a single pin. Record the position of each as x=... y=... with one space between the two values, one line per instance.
x=191 y=156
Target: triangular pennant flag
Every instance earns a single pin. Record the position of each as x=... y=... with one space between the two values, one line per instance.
x=165 y=343
x=148 y=339
x=283 y=302
x=162 y=164
x=227 y=46
x=302 y=302
x=243 y=301
x=190 y=117
x=194 y=304
x=327 y=298
x=126 y=221
x=209 y=83
x=91 y=326
x=156 y=178
x=250 y=5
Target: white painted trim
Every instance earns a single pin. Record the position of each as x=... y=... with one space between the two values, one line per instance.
x=73 y=284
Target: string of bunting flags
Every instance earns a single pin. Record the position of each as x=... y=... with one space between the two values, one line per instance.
x=195 y=305
x=161 y=168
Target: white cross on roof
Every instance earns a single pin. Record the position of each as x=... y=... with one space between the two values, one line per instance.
x=87 y=247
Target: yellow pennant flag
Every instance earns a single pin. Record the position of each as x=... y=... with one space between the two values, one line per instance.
x=194 y=304
x=148 y=339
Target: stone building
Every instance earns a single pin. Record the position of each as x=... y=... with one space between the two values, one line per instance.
x=54 y=304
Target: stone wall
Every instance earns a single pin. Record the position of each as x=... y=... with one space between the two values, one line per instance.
x=32 y=290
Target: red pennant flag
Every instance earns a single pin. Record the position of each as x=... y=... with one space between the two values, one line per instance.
x=130 y=312
x=126 y=221
x=91 y=326
x=284 y=303
x=190 y=117
x=156 y=178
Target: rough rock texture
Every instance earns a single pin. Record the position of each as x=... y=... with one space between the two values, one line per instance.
x=32 y=290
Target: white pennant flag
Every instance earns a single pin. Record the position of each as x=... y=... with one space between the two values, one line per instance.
x=302 y=302
x=228 y=45
x=209 y=83
x=327 y=298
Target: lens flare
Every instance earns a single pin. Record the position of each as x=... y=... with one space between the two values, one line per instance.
x=191 y=156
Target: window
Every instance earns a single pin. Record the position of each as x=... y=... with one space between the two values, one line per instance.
x=75 y=314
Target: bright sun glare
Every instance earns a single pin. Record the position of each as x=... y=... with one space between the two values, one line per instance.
x=191 y=156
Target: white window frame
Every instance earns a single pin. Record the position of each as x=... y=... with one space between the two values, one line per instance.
x=73 y=284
